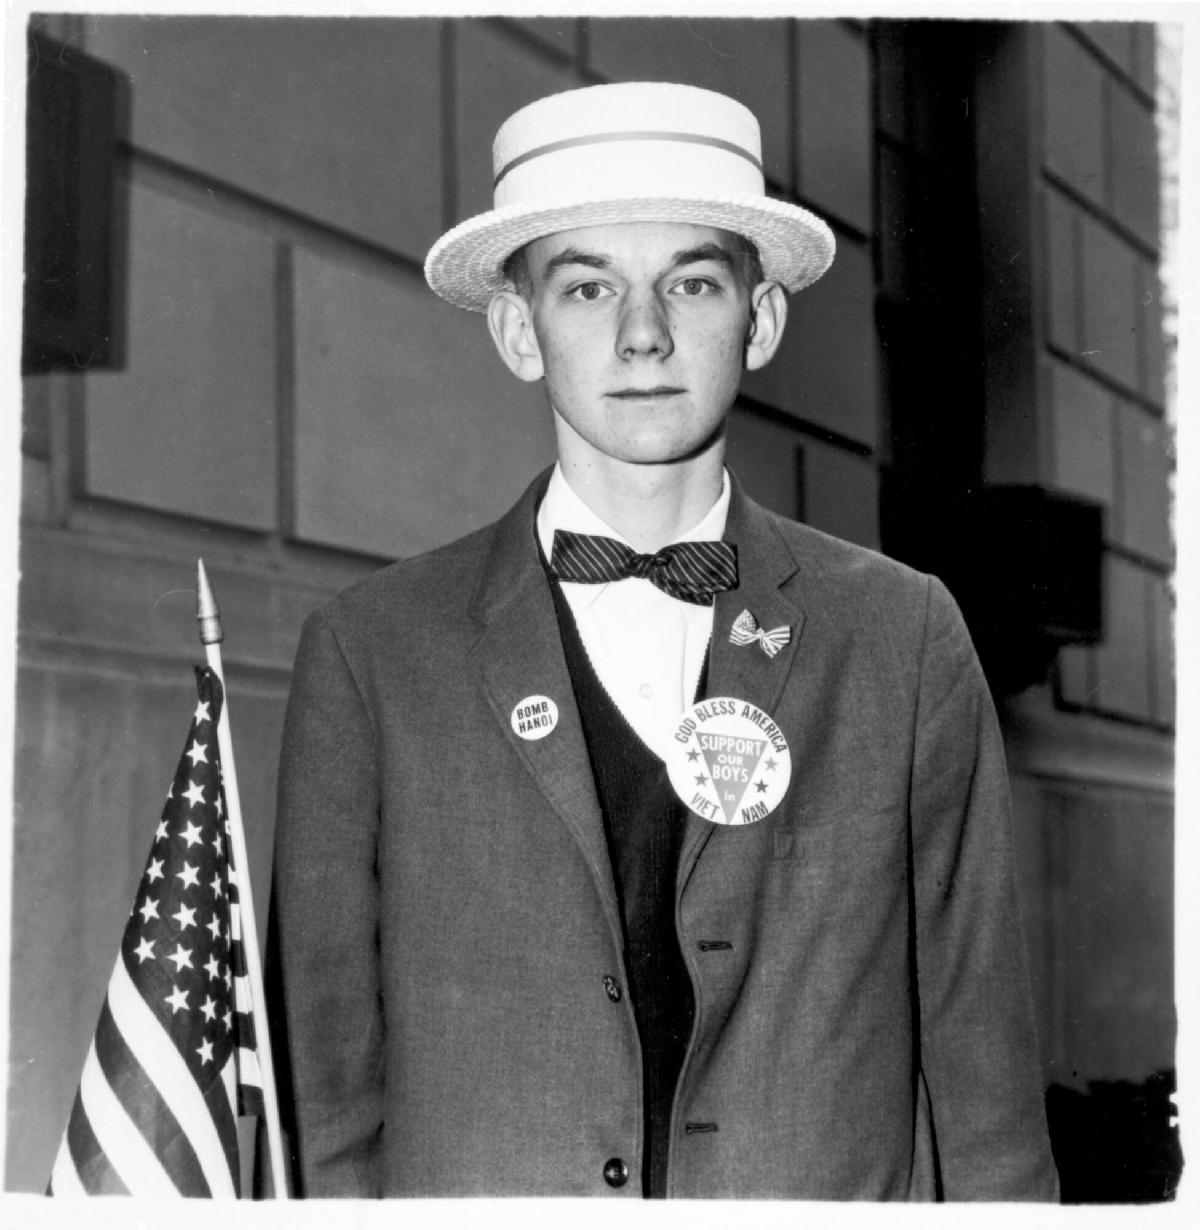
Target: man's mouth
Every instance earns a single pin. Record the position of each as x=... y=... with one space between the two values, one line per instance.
x=659 y=390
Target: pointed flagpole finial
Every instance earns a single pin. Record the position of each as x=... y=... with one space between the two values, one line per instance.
x=207 y=612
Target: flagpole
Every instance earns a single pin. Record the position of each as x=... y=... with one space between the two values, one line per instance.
x=211 y=635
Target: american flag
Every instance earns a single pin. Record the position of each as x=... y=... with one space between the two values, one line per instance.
x=173 y=1059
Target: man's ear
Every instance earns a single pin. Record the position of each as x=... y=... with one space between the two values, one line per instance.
x=768 y=315
x=510 y=321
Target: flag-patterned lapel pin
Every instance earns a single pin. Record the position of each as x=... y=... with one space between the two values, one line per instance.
x=745 y=631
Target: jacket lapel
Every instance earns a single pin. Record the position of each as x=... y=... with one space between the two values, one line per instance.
x=519 y=654
x=745 y=672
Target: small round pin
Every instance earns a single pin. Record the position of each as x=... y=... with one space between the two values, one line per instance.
x=534 y=717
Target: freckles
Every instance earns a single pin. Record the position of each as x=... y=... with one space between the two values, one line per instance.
x=721 y=349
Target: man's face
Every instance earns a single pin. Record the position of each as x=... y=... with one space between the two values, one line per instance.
x=640 y=330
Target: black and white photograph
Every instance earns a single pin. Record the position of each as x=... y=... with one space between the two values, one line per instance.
x=594 y=609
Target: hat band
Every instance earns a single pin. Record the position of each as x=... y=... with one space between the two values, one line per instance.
x=605 y=138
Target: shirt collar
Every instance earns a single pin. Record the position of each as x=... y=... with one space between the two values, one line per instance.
x=563 y=509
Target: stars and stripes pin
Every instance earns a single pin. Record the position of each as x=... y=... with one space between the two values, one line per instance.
x=745 y=631
x=534 y=717
x=729 y=762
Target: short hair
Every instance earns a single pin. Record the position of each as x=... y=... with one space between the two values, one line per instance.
x=747 y=266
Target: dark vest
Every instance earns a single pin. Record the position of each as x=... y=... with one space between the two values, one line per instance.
x=643 y=822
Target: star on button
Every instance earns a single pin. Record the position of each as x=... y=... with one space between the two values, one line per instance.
x=760 y=786
x=769 y=765
x=700 y=779
x=693 y=755
x=177 y=999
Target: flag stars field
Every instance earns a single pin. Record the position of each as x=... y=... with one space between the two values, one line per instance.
x=194 y=794
x=198 y=753
x=144 y=950
x=185 y=916
x=189 y=875
x=155 y=870
x=177 y=999
x=149 y=909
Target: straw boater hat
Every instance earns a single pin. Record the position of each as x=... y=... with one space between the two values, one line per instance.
x=641 y=152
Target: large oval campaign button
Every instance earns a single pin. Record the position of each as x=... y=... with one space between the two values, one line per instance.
x=729 y=762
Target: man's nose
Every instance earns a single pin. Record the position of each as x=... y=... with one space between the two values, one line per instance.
x=643 y=328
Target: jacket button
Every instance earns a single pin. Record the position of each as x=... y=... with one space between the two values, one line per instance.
x=612 y=988
x=616 y=1173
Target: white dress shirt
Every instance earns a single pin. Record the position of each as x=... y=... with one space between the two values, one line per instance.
x=646 y=647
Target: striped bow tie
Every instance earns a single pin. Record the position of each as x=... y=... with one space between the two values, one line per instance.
x=690 y=571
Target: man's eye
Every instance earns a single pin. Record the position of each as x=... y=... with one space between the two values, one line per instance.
x=695 y=286
x=589 y=292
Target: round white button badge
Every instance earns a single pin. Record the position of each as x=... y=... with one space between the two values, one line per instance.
x=729 y=762
x=534 y=717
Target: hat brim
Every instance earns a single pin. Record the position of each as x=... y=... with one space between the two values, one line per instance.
x=464 y=266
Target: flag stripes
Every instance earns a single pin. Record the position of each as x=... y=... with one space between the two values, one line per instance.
x=168 y=1072
x=173 y=1053
x=140 y=1098
x=124 y=1147
x=250 y=1095
x=81 y=1166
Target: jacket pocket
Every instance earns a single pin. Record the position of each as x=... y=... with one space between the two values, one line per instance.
x=840 y=833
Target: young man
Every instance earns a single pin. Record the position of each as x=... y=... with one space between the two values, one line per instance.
x=645 y=842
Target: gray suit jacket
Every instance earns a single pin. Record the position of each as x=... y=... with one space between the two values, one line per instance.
x=447 y=915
